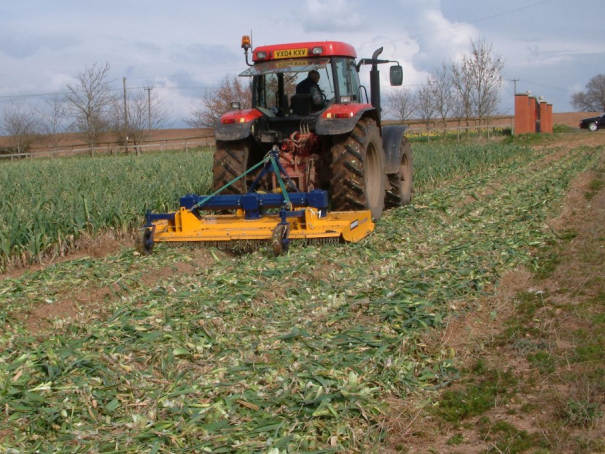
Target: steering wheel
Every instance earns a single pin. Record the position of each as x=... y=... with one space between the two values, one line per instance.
x=324 y=98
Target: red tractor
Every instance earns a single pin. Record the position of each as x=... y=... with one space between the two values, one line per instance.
x=335 y=142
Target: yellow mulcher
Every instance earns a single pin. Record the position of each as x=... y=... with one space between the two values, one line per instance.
x=275 y=217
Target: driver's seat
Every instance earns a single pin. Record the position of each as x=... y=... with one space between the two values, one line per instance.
x=301 y=104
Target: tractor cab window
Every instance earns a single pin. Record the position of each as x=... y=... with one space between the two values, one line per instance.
x=274 y=82
x=267 y=91
x=347 y=77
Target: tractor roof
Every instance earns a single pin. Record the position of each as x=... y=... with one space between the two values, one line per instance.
x=303 y=50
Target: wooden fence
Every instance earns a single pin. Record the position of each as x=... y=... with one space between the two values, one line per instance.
x=114 y=150
x=433 y=132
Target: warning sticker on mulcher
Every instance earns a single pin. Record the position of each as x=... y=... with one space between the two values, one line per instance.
x=354 y=224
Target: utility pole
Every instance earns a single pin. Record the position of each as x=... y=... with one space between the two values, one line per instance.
x=125 y=115
x=512 y=126
x=149 y=107
x=514 y=81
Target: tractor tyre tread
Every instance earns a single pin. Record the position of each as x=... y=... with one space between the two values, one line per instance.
x=230 y=161
x=350 y=174
x=400 y=191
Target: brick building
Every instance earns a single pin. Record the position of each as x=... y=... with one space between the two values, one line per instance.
x=532 y=114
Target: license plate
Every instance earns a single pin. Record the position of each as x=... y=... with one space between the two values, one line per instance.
x=291 y=53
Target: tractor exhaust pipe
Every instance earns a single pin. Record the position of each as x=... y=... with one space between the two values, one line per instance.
x=375 y=81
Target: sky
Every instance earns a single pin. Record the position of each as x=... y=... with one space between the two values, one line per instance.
x=182 y=48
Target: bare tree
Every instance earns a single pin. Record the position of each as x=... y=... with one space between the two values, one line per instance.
x=462 y=80
x=478 y=80
x=146 y=112
x=217 y=101
x=53 y=120
x=458 y=109
x=442 y=91
x=593 y=99
x=21 y=125
x=89 y=102
x=401 y=104
x=487 y=80
x=425 y=106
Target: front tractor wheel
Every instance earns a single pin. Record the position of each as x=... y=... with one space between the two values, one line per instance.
x=230 y=161
x=400 y=191
x=358 y=164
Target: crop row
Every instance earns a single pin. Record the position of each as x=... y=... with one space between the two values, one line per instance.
x=46 y=206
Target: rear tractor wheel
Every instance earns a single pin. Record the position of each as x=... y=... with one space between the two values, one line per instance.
x=400 y=192
x=230 y=161
x=358 y=163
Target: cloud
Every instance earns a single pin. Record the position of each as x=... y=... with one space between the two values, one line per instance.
x=178 y=99
x=18 y=45
x=204 y=55
x=439 y=38
x=147 y=47
x=329 y=16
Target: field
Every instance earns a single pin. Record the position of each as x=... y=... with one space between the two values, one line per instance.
x=442 y=331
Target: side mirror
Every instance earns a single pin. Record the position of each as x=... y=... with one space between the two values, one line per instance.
x=396 y=75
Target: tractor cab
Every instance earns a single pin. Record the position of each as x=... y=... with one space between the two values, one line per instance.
x=276 y=75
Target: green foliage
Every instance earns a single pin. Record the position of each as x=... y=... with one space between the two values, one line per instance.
x=558 y=128
x=455 y=136
x=476 y=397
x=525 y=139
x=582 y=413
x=543 y=361
x=456 y=440
x=592 y=352
x=548 y=258
x=595 y=186
x=504 y=437
x=47 y=205
x=435 y=163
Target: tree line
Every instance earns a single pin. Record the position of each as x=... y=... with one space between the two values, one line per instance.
x=467 y=90
x=89 y=107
